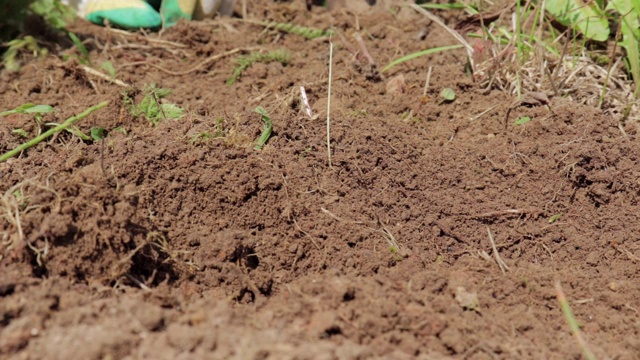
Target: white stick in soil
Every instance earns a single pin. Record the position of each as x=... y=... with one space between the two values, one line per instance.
x=329 y=103
x=305 y=102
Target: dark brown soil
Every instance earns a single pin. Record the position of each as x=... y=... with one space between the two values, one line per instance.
x=158 y=243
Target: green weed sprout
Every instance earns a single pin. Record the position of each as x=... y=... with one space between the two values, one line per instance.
x=61 y=127
x=84 y=53
x=204 y=136
x=151 y=108
x=266 y=130
x=245 y=61
x=419 y=54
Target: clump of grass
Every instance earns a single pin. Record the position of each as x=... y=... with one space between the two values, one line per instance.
x=203 y=137
x=522 y=53
x=245 y=61
x=151 y=108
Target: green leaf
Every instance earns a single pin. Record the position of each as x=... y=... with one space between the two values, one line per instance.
x=72 y=130
x=108 y=67
x=172 y=111
x=554 y=218
x=39 y=109
x=266 y=129
x=630 y=28
x=586 y=16
x=20 y=132
x=98 y=133
x=448 y=94
x=522 y=120
x=28 y=109
x=84 y=59
x=54 y=12
x=120 y=129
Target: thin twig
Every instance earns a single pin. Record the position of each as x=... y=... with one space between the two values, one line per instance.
x=138 y=282
x=329 y=103
x=147 y=38
x=453 y=33
x=363 y=49
x=305 y=102
x=501 y=263
x=97 y=73
x=193 y=69
x=427 y=82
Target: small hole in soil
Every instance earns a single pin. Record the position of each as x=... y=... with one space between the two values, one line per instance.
x=349 y=295
x=251 y=260
x=332 y=331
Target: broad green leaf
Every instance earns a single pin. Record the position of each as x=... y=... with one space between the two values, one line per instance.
x=98 y=133
x=522 y=120
x=448 y=94
x=584 y=16
x=630 y=28
x=38 y=109
x=108 y=67
x=28 y=109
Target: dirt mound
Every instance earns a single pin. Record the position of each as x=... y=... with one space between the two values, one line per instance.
x=435 y=232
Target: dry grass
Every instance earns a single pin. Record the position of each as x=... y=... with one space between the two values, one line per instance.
x=519 y=59
x=15 y=204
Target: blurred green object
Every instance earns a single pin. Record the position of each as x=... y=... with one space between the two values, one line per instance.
x=16 y=15
x=150 y=14
x=126 y=14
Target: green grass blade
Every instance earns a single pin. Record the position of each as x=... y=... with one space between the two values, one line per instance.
x=420 y=53
x=573 y=323
x=65 y=125
x=84 y=59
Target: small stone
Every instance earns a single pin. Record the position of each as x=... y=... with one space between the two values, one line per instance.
x=593 y=258
x=468 y=300
x=396 y=85
x=614 y=286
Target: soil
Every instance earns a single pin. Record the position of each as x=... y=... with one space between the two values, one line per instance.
x=182 y=241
